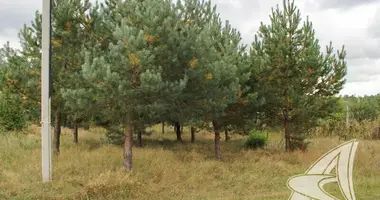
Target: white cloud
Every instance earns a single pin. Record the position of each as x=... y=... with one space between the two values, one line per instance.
x=347 y=27
x=362 y=88
x=234 y=3
x=10 y=35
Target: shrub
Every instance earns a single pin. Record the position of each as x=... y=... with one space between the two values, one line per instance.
x=298 y=143
x=12 y=116
x=256 y=139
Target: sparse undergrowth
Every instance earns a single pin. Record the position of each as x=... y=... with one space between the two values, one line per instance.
x=169 y=170
x=299 y=143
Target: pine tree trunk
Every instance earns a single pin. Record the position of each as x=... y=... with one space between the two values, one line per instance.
x=192 y=130
x=161 y=139
x=139 y=138
x=128 y=142
x=227 y=135
x=57 y=131
x=75 y=132
x=286 y=129
x=177 y=127
x=217 y=139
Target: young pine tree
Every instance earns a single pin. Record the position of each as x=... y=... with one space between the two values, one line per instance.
x=295 y=77
x=126 y=77
x=16 y=81
x=78 y=104
x=68 y=18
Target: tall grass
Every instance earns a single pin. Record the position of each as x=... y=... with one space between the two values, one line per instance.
x=366 y=130
x=165 y=169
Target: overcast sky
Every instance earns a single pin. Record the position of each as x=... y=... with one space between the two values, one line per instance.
x=344 y=22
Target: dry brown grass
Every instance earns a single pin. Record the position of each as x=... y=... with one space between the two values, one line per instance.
x=169 y=170
x=359 y=130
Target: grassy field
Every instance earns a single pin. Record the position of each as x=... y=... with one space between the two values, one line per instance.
x=169 y=170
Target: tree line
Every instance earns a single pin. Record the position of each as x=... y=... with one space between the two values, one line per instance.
x=127 y=65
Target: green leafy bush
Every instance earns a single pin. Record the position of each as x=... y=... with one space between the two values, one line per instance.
x=256 y=139
x=12 y=116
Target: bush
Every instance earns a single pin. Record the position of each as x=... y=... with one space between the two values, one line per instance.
x=12 y=116
x=298 y=143
x=256 y=139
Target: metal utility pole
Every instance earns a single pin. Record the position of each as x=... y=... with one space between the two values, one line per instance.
x=45 y=92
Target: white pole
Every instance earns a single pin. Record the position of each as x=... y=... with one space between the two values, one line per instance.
x=45 y=93
x=347 y=116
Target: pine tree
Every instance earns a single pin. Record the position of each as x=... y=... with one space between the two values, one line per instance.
x=298 y=80
x=213 y=61
x=181 y=58
x=214 y=75
x=16 y=80
x=126 y=75
x=68 y=18
x=76 y=106
x=231 y=86
x=13 y=105
x=239 y=114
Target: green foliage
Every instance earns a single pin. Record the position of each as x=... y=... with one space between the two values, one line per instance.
x=21 y=76
x=256 y=139
x=214 y=62
x=12 y=115
x=115 y=135
x=126 y=78
x=16 y=80
x=297 y=80
x=365 y=108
